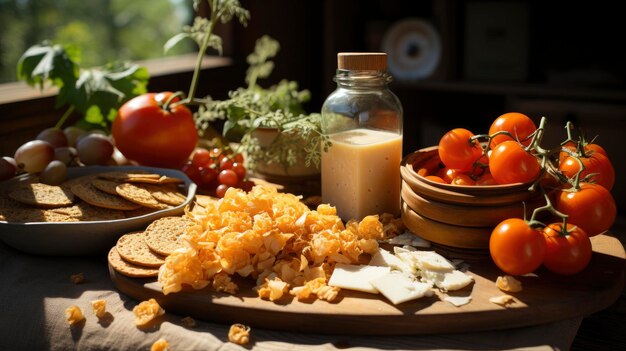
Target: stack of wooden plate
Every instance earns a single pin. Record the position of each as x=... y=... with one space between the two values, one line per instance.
x=458 y=219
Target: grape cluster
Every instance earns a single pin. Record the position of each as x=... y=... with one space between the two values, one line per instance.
x=54 y=149
x=216 y=170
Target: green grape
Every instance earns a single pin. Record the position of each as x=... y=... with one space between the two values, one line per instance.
x=34 y=156
x=54 y=173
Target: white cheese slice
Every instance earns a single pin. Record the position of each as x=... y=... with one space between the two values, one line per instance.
x=458 y=300
x=408 y=238
x=405 y=256
x=399 y=287
x=385 y=258
x=430 y=260
x=356 y=277
x=447 y=281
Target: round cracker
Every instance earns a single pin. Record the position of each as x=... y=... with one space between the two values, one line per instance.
x=33 y=215
x=132 y=248
x=140 y=195
x=86 y=212
x=93 y=196
x=108 y=186
x=163 y=235
x=42 y=195
x=166 y=194
x=128 y=269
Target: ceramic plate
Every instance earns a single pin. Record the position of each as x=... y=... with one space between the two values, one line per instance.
x=85 y=238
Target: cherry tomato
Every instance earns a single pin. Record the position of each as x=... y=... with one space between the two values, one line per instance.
x=228 y=177
x=486 y=180
x=146 y=133
x=430 y=167
x=591 y=207
x=458 y=151
x=516 y=248
x=448 y=174
x=598 y=165
x=509 y=163
x=226 y=163
x=589 y=149
x=435 y=179
x=518 y=124
x=208 y=175
x=566 y=253
x=240 y=169
x=463 y=179
x=201 y=158
x=192 y=171
x=220 y=191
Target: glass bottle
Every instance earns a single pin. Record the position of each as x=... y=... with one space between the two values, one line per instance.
x=363 y=118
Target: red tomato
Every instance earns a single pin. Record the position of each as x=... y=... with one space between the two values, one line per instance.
x=591 y=207
x=463 y=179
x=201 y=158
x=509 y=163
x=598 y=165
x=518 y=124
x=448 y=174
x=589 y=149
x=146 y=133
x=486 y=179
x=458 y=151
x=435 y=179
x=566 y=253
x=516 y=248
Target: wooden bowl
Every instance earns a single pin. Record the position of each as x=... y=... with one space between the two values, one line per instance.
x=456 y=217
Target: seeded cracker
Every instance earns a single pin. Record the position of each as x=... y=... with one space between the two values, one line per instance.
x=93 y=196
x=139 y=195
x=42 y=195
x=163 y=235
x=86 y=212
x=119 y=176
x=132 y=248
x=166 y=194
x=129 y=269
x=108 y=186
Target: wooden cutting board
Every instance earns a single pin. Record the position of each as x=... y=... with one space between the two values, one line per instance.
x=545 y=298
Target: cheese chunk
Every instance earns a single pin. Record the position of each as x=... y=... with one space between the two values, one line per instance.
x=385 y=258
x=430 y=260
x=448 y=281
x=355 y=277
x=408 y=238
x=399 y=287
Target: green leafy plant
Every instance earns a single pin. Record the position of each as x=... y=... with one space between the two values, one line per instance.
x=279 y=107
x=96 y=93
x=247 y=109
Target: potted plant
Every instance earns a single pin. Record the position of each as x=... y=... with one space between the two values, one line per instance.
x=270 y=125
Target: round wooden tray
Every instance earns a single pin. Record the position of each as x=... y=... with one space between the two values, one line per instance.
x=545 y=298
x=445 y=234
x=467 y=216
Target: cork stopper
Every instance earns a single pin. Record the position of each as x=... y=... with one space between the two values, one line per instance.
x=362 y=61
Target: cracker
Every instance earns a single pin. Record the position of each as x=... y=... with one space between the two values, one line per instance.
x=108 y=186
x=88 y=193
x=86 y=212
x=163 y=236
x=139 y=195
x=129 y=269
x=132 y=248
x=120 y=176
x=166 y=194
x=42 y=195
x=32 y=215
